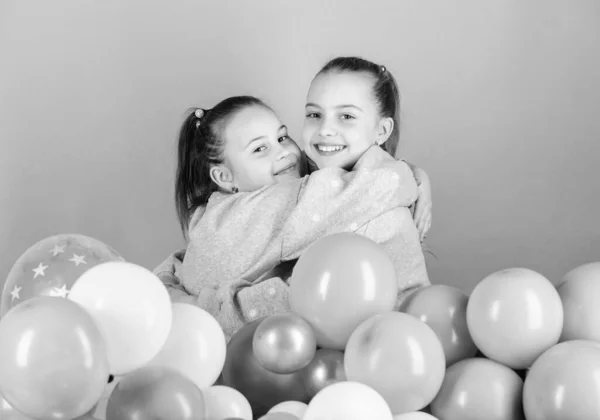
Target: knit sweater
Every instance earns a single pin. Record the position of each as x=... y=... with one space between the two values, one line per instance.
x=232 y=266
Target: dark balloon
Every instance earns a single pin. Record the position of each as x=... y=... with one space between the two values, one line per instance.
x=156 y=393
x=326 y=368
x=262 y=388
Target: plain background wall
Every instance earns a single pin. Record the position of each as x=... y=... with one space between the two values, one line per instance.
x=500 y=100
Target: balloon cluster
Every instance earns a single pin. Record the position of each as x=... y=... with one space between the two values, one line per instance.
x=516 y=348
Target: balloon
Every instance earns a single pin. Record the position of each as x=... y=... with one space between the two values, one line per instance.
x=338 y=282
x=195 y=346
x=478 y=388
x=51 y=266
x=53 y=361
x=284 y=343
x=279 y=416
x=415 y=415
x=224 y=402
x=295 y=408
x=579 y=294
x=563 y=384
x=155 y=393
x=398 y=356
x=261 y=387
x=132 y=308
x=514 y=315
x=444 y=309
x=348 y=401
x=326 y=368
x=7 y=412
x=585 y=271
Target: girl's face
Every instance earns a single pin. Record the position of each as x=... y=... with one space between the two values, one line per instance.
x=258 y=150
x=342 y=118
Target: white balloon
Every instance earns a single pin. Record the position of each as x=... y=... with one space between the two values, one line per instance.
x=348 y=401
x=415 y=415
x=195 y=347
x=132 y=309
x=223 y=402
x=296 y=408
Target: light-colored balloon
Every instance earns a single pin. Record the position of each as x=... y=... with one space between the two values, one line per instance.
x=132 y=308
x=195 y=347
x=398 y=356
x=51 y=266
x=223 y=402
x=338 y=282
x=514 y=315
x=284 y=343
x=563 y=383
x=415 y=415
x=279 y=416
x=53 y=361
x=444 y=309
x=296 y=408
x=477 y=389
x=348 y=401
x=579 y=293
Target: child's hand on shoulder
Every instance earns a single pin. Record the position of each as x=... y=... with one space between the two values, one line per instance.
x=423 y=205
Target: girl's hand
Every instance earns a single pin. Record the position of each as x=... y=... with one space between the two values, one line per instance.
x=424 y=203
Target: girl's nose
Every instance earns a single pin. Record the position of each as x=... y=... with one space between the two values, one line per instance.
x=327 y=129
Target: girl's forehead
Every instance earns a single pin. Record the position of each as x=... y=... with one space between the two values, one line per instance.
x=341 y=88
x=250 y=123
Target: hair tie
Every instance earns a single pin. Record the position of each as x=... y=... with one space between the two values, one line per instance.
x=199 y=113
x=383 y=69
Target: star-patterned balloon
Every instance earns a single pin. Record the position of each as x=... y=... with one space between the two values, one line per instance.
x=51 y=266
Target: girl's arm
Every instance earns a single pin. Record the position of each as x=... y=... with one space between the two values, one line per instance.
x=422 y=207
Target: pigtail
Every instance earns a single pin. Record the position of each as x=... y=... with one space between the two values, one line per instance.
x=186 y=175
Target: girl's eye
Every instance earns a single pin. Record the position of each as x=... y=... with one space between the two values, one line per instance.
x=259 y=149
x=283 y=138
x=312 y=115
x=347 y=117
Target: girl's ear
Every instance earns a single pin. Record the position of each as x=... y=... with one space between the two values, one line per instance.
x=222 y=176
x=384 y=130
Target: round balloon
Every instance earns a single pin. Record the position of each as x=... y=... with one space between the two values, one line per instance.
x=224 y=402
x=514 y=315
x=348 y=401
x=132 y=308
x=579 y=294
x=53 y=359
x=563 y=383
x=284 y=343
x=261 y=387
x=195 y=346
x=156 y=393
x=279 y=416
x=51 y=266
x=326 y=368
x=415 y=415
x=7 y=412
x=338 y=282
x=295 y=408
x=477 y=388
x=444 y=309
x=398 y=356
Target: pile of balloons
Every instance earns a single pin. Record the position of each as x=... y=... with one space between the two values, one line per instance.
x=85 y=335
x=516 y=348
